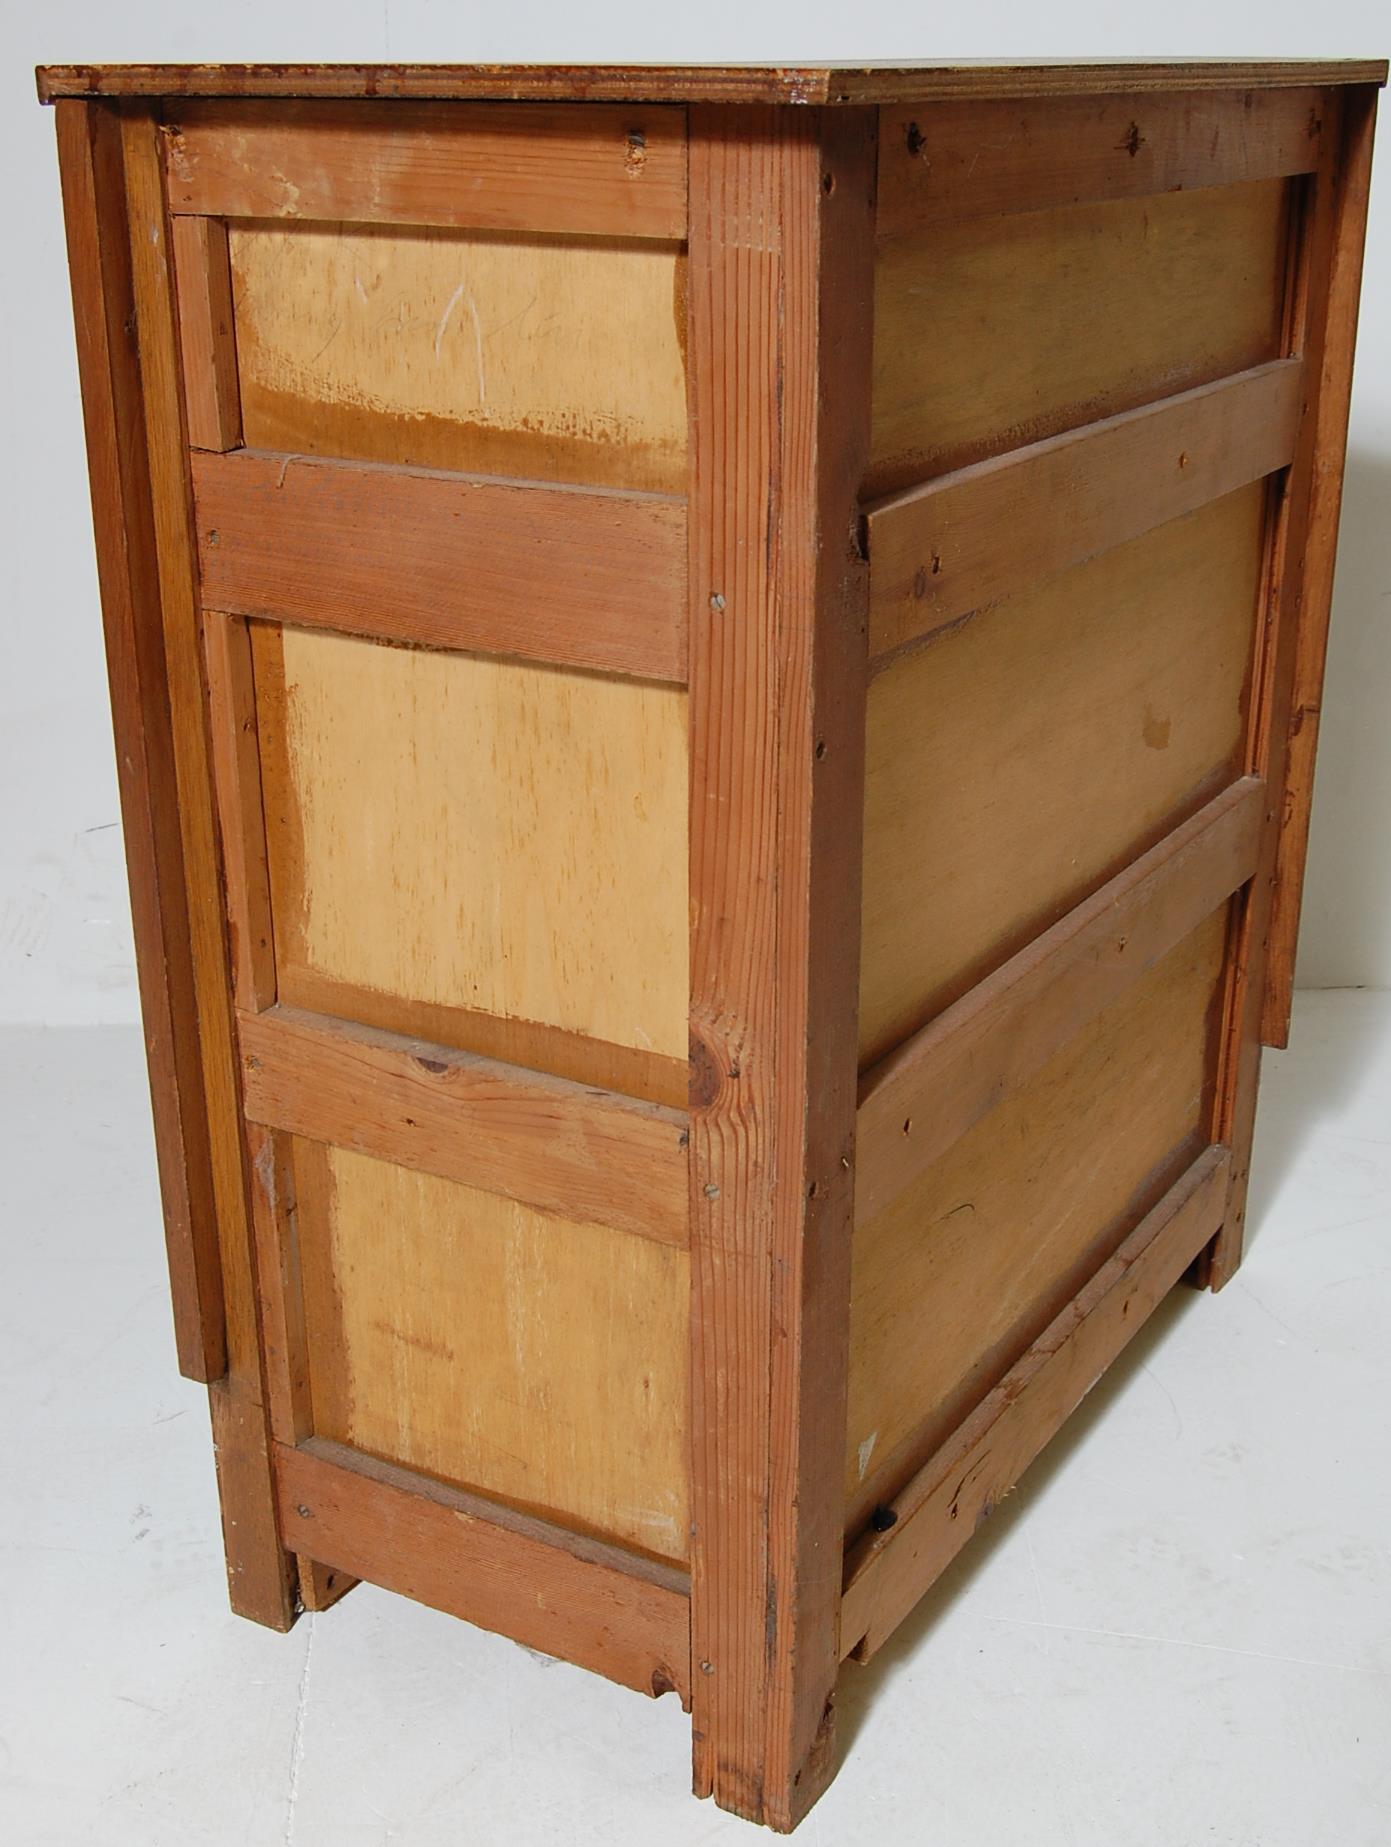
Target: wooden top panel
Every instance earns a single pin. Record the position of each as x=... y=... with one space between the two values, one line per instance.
x=698 y=83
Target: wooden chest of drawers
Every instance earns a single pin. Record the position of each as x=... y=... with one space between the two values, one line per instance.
x=715 y=676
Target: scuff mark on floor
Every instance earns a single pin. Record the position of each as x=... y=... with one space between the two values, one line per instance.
x=297 y=1736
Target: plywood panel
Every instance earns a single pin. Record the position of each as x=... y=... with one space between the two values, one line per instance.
x=529 y=1357
x=489 y=353
x=476 y=834
x=1017 y=761
x=999 y=331
x=964 y=1269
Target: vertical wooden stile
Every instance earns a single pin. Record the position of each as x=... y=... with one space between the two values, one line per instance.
x=94 y=203
x=1297 y=575
x=259 y=1573
x=781 y=235
x=1325 y=491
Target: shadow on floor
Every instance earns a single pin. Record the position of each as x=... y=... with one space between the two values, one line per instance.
x=1333 y=1046
x=1331 y=1050
x=862 y=1687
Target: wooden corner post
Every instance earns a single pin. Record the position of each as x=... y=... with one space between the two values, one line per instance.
x=781 y=251
x=1325 y=268
x=1351 y=184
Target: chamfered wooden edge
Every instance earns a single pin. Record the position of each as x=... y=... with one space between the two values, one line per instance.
x=284 y=1336
x=941 y=550
x=932 y=1089
x=963 y=159
x=1319 y=555
x=1319 y=327
x=601 y=170
x=548 y=1142
x=578 y=577
x=585 y=1600
x=946 y=1501
x=655 y=1077
x=260 y=1571
x=780 y=289
x=207 y=335
x=99 y=267
x=236 y=764
x=697 y=83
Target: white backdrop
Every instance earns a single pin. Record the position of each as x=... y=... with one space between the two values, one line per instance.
x=65 y=952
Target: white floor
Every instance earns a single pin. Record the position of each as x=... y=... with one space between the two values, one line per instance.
x=1178 y=1631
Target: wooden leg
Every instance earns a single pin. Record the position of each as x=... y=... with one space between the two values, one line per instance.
x=260 y=1580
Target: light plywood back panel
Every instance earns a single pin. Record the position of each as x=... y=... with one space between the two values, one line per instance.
x=1018 y=760
x=996 y=331
x=488 y=353
x=968 y=1265
x=454 y=836
x=531 y=1358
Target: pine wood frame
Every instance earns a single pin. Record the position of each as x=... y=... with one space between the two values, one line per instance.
x=781 y=590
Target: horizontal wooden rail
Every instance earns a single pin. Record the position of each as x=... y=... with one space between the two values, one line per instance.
x=582 y=577
x=606 y=171
x=586 y=1601
x=562 y=1147
x=950 y=546
x=972 y=159
x=946 y=1501
x=927 y=1093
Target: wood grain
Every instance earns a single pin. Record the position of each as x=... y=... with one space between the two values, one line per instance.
x=592 y=579
x=207 y=337
x=656 y=1077
x=780 y=275
x=940 y=551
x=1333 y=212
x=259 y=1570
x=558 y=1146
x=236 y=763
x=1021 y=760
x=932 y=1090
x=284 y=1334
x=1319 y=555
x=596 y=1606
x=260 y=1573
x=95 y=211
x=535 y=357
x=994 y=332
x=956 y=1491
x=321 y=1586
x=530 y=1356
x=969 y=1263
x=519 y=849
x=603 y=171
x=977 y=159
x=705 y=83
